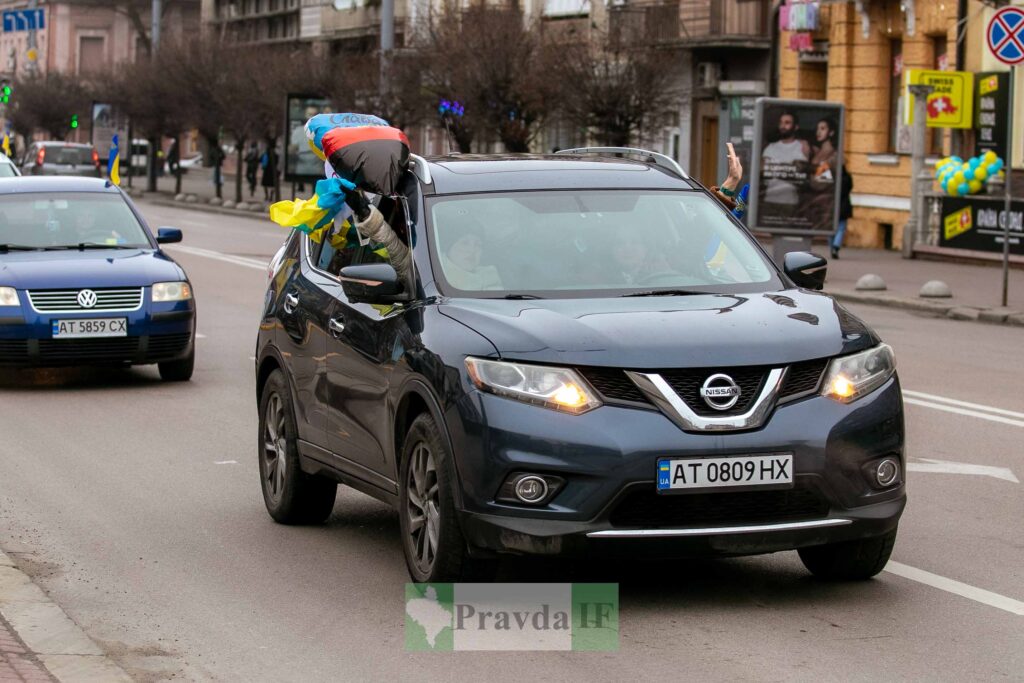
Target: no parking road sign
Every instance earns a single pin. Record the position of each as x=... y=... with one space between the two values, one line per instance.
x=1005 y=35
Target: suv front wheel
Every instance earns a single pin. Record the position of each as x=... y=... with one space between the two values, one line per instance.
x=850 y=560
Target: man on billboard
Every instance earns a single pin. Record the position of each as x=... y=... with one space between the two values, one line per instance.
x=785 y=168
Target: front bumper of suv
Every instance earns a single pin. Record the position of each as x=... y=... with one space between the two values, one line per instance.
x=608 y=459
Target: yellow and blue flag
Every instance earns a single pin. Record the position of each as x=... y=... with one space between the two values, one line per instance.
x=7 y=144
x=114 y=163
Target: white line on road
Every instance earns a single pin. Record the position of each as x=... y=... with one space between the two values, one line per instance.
x=963 y=404
x=225 y=462
x=200 y=335
x=227 y=258
x=957 y=588
x=947 y=467
x=963 y=411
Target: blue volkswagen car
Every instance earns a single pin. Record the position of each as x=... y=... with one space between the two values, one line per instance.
x=83 y=281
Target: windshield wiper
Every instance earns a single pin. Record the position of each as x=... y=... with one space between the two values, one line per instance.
x=521 y=296
x=666 y=292
x=81 y=246
x=17 y=247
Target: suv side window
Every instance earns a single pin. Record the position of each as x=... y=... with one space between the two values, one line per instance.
x=332 y=259
x=394 y=213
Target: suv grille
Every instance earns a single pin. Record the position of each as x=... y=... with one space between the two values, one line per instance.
x=66 y=300
x=13 y=350
x=650 y=510
x=614 y=385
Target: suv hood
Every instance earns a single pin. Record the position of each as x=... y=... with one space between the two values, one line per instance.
x=714 y=330
x=90 y=268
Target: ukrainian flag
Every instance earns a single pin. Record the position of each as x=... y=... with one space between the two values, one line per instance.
x=7 y=144
x=114 y=163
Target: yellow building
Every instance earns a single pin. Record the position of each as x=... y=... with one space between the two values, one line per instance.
x=860 y=54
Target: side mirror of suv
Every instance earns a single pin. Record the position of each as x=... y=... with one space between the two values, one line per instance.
x=371 y=283
x=805 y=269
x=168 y=235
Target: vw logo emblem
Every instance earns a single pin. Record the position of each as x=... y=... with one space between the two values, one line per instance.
x=87 y=298
x=720 y=392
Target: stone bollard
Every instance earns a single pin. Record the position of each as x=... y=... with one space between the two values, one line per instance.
x=870 y=283
x=180 y=197
x=242 y=206
x=191 y=199
x=935 y=289
x=228 y=204
x=216 y=201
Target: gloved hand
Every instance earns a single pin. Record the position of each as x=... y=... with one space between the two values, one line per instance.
x=355 y=199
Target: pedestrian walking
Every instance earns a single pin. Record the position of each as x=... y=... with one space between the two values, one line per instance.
x=217 y=157
x=173 y=157
x=845 y=210
x=252 y=166
x=269 y=181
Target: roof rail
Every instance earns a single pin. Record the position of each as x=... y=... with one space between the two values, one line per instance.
x=660 y=160
x=418 y=165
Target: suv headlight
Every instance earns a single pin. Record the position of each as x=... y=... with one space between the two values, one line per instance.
x=557 y=388
x=850 y=377
x=171 y=291
x=8 y=296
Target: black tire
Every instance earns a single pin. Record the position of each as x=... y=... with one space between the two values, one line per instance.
x=851 y=560
x=450 y=559
x=291 y=495
x=178 y=370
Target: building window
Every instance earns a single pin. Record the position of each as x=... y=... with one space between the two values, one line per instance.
x=899 y=134
x=90 y=54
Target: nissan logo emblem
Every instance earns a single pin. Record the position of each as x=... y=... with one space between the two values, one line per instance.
x=87 y=298
x=720 y=392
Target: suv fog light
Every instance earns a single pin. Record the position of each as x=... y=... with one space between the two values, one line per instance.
x=887 y=472
x=529 y=489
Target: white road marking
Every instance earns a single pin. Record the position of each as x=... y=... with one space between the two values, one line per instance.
x=200 y=335
x=962 y=404
x=963 y=411
x=957 y=588
x=947 y=467
x=225 y=462
x=227 y=258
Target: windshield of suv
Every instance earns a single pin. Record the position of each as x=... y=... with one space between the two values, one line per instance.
x=67 y=219
x=596 y=243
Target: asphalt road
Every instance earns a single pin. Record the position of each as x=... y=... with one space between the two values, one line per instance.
x=137 y=506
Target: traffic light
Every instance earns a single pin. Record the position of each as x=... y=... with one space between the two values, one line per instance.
x=74 y=121
x=5 y=91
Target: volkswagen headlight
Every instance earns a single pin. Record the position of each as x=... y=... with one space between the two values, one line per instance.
x=557 y=388
x=850 y=377
x=171 y=291
x=8 y=296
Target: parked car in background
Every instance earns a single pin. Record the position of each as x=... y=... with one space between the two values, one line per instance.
x=8 y=169
x=53 y=157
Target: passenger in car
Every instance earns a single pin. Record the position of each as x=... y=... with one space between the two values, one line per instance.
x=371 y=225
x=461 y=261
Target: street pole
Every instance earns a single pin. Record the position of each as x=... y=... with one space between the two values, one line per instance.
x=32 y=65
x=915 y=227
x=387 y=43
x=155 y=32
x=1009 y=174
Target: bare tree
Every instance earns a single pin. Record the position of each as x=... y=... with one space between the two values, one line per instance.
x=47 y=102
x=491 y=59
x=138 y=13
x=614 y=91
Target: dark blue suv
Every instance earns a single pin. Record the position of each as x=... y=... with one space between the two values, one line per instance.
x=83 y=282
x=584 y=353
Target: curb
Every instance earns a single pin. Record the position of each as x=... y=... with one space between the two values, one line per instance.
x=60 y=644
x=995 y=315
x=206 y=208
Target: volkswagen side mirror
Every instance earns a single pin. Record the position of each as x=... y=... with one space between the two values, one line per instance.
x=168 y=235
x=805 y=269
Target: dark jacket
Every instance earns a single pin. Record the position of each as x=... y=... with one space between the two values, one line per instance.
x=845 y=189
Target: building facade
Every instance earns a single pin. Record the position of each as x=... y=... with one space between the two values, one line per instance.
x=859 y=55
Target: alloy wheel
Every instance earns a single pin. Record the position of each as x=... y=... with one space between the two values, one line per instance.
x=275 y=448
x=423 y=507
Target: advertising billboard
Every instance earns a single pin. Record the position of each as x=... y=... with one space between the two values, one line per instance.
x=797 y=159
x=301 y=164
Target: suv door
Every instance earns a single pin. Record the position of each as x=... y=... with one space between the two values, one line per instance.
x=29 y=160
x=301 y=309
x=364 y=344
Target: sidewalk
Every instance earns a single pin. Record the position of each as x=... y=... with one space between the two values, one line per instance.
x=975 y=288
x=39 y=642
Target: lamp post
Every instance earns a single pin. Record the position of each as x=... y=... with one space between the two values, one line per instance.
x=916 y=226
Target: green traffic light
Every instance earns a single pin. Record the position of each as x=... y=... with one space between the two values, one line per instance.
x=7 y=90
x=74 y=121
